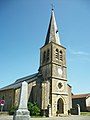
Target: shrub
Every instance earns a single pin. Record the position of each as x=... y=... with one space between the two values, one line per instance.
x=13 y=109
x=34 y=109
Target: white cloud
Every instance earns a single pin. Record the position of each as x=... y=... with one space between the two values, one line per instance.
x=78 y=52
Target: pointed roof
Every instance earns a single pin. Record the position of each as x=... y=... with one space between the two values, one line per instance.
x=52 y=34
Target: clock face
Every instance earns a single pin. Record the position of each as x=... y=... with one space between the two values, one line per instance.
x=60 y=71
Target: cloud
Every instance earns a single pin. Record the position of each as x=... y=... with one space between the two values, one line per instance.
x=82 y=53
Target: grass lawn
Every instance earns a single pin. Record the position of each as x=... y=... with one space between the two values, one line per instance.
x=85 y=113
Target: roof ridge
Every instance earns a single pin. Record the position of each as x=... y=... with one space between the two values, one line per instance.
x=18 y=82
x=26 y=77
x=80 y=95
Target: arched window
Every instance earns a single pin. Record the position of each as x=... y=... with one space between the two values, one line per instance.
x=61 y=55
x=48 y=53
x=44 y=56
x=57 y=54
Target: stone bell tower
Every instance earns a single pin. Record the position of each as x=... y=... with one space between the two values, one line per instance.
x=54 y=72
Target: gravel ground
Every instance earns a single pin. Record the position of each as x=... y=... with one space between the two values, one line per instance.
x=6 y=117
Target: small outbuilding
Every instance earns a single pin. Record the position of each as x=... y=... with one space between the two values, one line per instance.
x=83 y=100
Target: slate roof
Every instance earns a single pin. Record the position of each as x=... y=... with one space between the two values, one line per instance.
x=80 y=96
x=18 y=82
x=52 y=34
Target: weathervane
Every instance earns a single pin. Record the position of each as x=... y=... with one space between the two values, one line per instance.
x=52 y=6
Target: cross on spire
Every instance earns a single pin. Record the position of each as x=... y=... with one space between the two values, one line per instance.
x=52 y=6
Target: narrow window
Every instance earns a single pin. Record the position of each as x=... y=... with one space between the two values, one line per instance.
x=44 y=56
x=61 y=55
x=48 y=55
x=3 y=98
x=57 y=54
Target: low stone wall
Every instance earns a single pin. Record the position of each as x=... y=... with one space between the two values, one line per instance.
x=73 y=111
x=76 y=110
x=88 y=109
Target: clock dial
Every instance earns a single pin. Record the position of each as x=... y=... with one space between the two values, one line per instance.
x=60 y=71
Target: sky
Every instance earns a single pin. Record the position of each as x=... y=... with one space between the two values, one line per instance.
x=23 y=29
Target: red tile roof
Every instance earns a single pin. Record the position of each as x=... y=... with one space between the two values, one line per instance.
x=80 y=96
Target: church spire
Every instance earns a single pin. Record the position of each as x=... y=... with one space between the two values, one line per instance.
x=52 y=34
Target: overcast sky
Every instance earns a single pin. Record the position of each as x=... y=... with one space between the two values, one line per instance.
x=23 y=28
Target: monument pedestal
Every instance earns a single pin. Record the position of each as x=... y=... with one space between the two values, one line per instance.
x=22 y=115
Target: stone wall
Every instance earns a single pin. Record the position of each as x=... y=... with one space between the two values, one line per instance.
x=69 y=98
x=17 y=95
x=33 y=93
x=88 y=103
x=8 y=96
x=11 y=96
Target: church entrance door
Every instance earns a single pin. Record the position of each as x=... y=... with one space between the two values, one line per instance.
x=60 y=106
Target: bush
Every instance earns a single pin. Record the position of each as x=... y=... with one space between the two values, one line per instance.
x=34 y=109
x=12 y=110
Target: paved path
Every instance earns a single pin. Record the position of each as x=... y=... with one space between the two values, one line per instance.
x=52 y=118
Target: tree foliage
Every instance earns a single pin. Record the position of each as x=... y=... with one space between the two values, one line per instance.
x=34 y=109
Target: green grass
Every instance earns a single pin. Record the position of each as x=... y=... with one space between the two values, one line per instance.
x=85 y=113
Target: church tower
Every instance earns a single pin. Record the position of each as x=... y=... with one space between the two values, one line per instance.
x=54 y=72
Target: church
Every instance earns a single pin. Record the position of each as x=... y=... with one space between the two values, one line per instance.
x=49 y=86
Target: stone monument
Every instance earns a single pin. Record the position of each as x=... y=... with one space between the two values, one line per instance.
x=22 y=113
x=78 y=109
